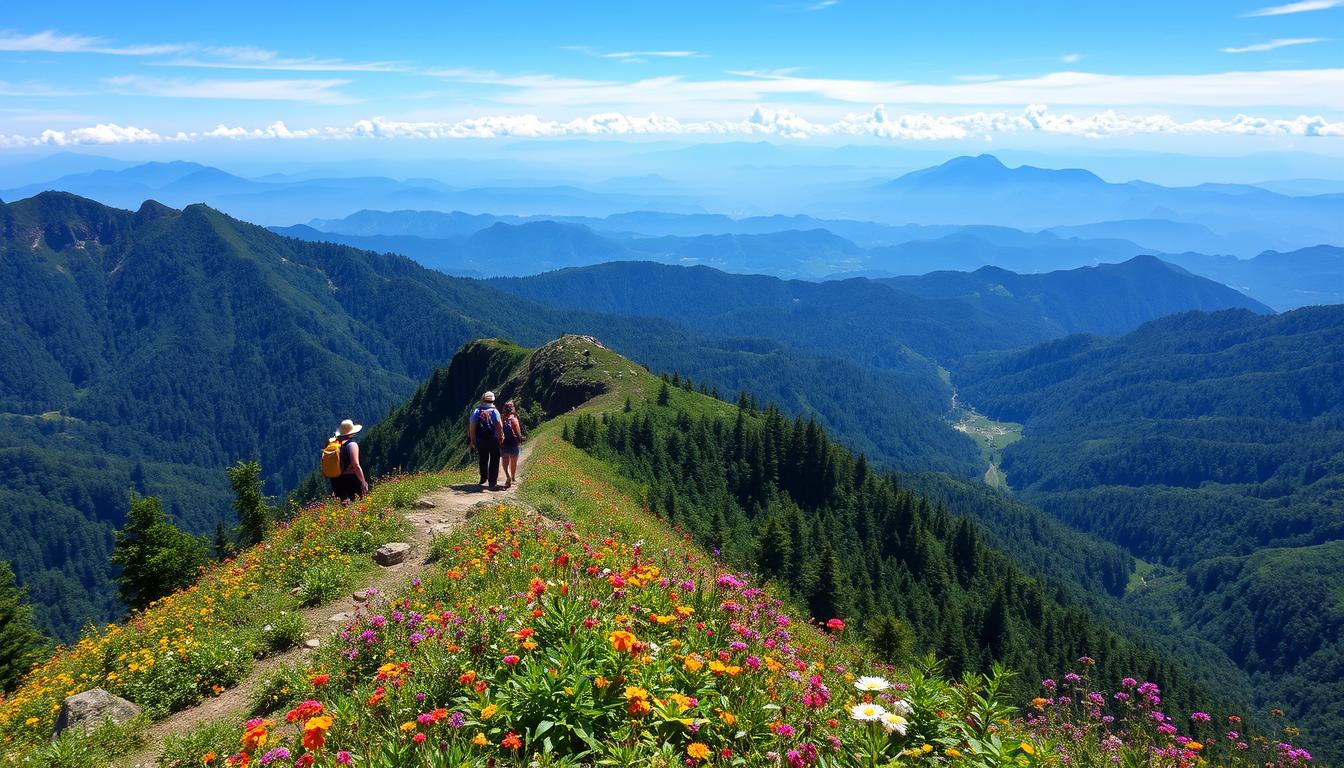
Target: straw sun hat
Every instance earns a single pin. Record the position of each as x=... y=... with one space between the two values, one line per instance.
x=348 y=428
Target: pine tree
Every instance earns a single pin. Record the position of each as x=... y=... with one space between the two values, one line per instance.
x=20 y=641
x=664 y=394
x=223 y=545
x=155 y=556
x=254 y=515
x=892 y=639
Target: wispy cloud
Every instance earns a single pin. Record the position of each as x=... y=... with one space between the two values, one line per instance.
x=1299 y=88
x=1300 y=7
x=51 y=41
x=1071 y=58
x=977 y=78
x=633 y=57
x=876 y=123
x=249 y=57
x=1282 y=42
x=822 y=5
x=310 y=91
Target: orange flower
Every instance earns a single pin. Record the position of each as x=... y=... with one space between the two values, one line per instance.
x=693 y=663
x=622 y=641
x=254 y=735
x=600 y=682
x=698 y=751
x=375 y=698
x=319 y=680
x=511 y=741
x=480 y=740
x=208 y=758
x=315 y=732
x=489 y=711
x=637 y=701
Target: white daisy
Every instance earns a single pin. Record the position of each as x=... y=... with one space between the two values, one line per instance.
x=894 y=723
x=872 y=684
x=867 y=712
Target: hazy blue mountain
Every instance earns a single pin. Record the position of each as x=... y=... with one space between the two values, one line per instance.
x=1305 y=277
x=437 y=224
x=982 y=190
x=1166 y=236
x=1304 y=186
x=806 y=254
x=422 y=224
x=972 y=247
x=891 y=324
x=27 y=171
x=1107 y=299
x=282 y=200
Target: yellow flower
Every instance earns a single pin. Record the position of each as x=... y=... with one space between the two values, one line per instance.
x=480 y=740
x=489 y=711
x=601 y=682
x=1028 y=748
x=693 y=663
x=698 y=751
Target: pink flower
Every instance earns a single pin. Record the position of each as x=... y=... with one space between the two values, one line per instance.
x=511 y=660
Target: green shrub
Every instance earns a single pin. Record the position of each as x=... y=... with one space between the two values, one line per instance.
x=283 y=632
x=323 y=582
x=185 y=750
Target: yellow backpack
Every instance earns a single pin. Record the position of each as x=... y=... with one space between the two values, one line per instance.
x=331 y=458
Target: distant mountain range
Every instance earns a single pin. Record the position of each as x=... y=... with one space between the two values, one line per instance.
x=276 y=200
x=982 y=190
x=1235 y=219
x=941 y=316
x=488 y=246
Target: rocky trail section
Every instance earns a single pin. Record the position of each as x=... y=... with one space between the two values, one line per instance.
x=436 y=513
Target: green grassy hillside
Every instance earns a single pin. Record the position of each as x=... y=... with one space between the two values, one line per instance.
x=573 y=627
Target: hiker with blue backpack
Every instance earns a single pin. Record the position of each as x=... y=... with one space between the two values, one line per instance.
x=485 y=433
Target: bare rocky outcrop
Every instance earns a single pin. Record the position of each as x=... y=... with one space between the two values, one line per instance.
x=91 y=708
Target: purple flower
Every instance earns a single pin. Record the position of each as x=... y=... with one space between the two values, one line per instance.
x=1200 y=717
x=456 y=720
x=279 y=753
x=344 y=758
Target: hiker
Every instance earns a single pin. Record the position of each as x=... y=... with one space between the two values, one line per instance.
x=513 y=443
x=485 y=433
x=340 y=463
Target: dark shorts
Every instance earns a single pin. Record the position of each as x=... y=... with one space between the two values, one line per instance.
x=346 y=487
x=510 y=450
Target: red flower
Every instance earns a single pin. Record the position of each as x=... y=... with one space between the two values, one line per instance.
x=305 y=761
x=512 y=660
x=418 y=738
x=836 y=625
x=319 y=680
x=511 y=741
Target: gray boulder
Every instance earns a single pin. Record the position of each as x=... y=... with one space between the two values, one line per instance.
x=88 y=710
x=391 y=554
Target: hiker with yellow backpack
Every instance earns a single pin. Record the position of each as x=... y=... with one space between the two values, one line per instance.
x=340 y=463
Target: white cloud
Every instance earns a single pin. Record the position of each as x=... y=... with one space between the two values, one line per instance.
x=311 y=91
x=1321 y=89
x=876 y=123
x=1282 y=42
x=252 y=58
x=1071 y=58
x=977 y=78
x=51 y=41
x=823 y=5
x=1299 y=7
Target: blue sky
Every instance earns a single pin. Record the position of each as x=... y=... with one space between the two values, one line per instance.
x=1182 y=76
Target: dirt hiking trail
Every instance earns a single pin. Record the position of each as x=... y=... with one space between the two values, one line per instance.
x=435 y=513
